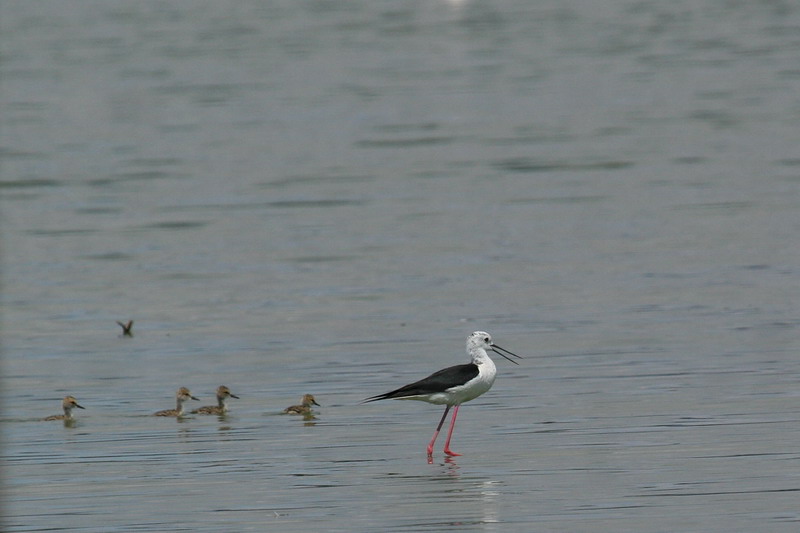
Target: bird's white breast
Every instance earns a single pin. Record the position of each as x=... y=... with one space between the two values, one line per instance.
x=476 y=386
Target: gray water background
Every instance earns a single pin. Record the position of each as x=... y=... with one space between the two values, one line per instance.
x=328 y=196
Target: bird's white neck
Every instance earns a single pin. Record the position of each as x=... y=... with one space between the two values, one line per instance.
x=481 y=358
x=486 y=372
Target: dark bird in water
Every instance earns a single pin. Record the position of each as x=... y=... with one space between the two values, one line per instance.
x=126 y=328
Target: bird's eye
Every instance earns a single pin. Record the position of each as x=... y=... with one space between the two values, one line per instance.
x=487 y=340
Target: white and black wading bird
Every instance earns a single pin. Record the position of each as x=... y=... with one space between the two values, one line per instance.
x=454 y=385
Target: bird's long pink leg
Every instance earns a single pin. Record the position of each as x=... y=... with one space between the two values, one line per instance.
x=436 y=433
x=447 y=449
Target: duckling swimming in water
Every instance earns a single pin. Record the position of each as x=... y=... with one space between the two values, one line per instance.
x=304 y=408
x=182 y=395
x=223 y=393
x=68 y=403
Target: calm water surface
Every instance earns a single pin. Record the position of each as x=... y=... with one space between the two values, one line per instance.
x=327 y=197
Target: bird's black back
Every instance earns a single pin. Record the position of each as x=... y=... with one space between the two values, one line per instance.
x=437 y=382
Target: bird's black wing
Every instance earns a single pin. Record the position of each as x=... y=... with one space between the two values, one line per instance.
x=437 y=382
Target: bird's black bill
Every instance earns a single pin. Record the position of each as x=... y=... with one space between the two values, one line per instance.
x=79 y=406
x=498 y=350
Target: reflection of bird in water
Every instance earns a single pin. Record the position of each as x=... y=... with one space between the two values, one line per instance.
x=182 y=395
x=223 y=393
x=454 y=385
x=67 y=404
x=304 y=408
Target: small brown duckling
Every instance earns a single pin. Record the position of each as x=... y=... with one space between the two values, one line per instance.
x=182 y=395
x=68 y=403
x=223 y=393
x=304 y=408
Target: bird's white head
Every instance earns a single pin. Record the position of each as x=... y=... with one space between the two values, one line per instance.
x=480 y=340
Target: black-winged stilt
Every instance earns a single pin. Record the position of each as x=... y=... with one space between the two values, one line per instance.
x=454 y=385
